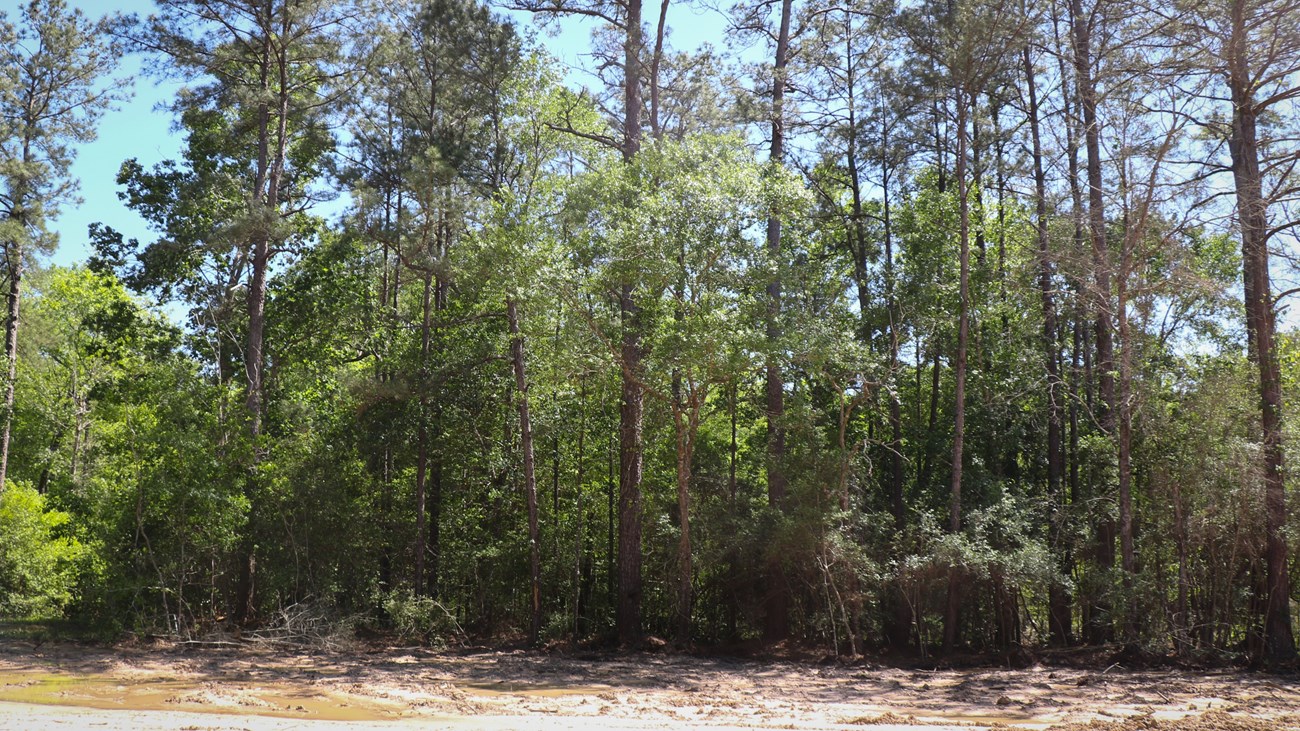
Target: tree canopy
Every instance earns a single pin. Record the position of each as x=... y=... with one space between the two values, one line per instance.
x=932 y=328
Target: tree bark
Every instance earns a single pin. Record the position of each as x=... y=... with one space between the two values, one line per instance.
x=580 y=587
x=16 y=264
x=1100 y=630
x=272 y=151
x=1182 y=623
x=686 y=423
x=1128 y=558
x=656 y=130
x=1059 y=619
x=433 y=573
x=950 y=617
x=628 y=615
x=777 y=621
x=1279 y=642
x=16 y=255
x=530 y=469
x=928 y=458
x=422 y=441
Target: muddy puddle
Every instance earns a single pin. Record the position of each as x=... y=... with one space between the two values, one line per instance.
x=171 y=694
x=278 y=699
x=267 y=689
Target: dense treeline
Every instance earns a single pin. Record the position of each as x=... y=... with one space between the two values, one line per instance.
x=934 y=327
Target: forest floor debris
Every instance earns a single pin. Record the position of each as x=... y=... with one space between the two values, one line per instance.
x=177 y=686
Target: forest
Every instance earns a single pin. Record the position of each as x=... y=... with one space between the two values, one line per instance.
x=910 y=326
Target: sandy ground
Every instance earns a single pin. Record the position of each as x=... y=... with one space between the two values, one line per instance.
x=68 y=686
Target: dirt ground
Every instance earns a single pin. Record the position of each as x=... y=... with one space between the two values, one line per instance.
x=172 y=686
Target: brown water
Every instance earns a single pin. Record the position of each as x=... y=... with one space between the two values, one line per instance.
x=169 y=694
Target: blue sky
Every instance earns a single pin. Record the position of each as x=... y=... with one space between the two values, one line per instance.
x=134 y=129
x=139 y=128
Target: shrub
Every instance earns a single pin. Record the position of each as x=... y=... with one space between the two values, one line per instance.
x=37 y=561
x=420 y=618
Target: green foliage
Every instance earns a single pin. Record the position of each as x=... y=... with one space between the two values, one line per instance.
x=38 y=559
x=386 y=477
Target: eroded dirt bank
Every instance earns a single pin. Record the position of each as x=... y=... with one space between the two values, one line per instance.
x=268 y=689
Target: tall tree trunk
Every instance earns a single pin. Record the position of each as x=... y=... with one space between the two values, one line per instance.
x=950 y=617
x=1101 y=629
x=422 y=440
x=246 y=599
x=1182 y=623
x=628 y=618
x=530 y=468
x=272 y=150
x=580 y=587
x=1279 y=642
x=16 y=263
x=897 y=502
x=733 y=445
x=733 y=562
x=16 y=255
x=389 y=288
x=256 y=363
x=927 y=457
x=685 y=422
x=1124 y=408
x=628 y=615
x=900 y=620
x=433 y=503
x=1076 y=346
x=1078 y=351
x=656 y=130
x=1059 y=619
x=611 y=517
x=777 y=624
